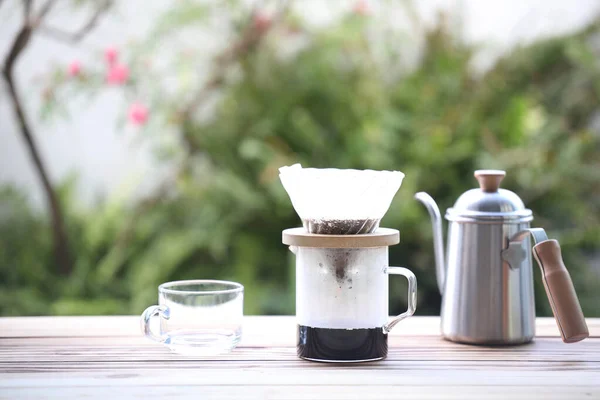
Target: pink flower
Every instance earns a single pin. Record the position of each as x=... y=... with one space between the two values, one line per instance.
x=111 y=54
x=262 y=21
x=74 y=68
x=117 y=74
x=361 y=8
x=138 y=114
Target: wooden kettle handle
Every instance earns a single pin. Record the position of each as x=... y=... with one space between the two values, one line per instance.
x=560 y=291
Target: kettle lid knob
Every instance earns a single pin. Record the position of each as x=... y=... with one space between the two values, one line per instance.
x=489 y=179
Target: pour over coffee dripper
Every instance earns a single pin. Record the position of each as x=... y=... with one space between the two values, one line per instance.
x=340 y=201
x=342 y=262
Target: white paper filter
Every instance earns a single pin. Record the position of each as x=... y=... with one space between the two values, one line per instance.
x=340 y=201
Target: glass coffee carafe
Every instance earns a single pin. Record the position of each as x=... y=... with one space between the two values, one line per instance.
x=342 y=294
x=342 y=263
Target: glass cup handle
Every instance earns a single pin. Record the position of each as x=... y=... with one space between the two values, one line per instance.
x=412 y=296
x=161 y=311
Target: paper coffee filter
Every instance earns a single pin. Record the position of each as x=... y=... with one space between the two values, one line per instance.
x=324 y=195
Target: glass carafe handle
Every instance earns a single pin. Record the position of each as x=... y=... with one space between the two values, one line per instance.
x=412 y=296
x=161 y=311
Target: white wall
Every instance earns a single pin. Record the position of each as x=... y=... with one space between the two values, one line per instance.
x=107 y=157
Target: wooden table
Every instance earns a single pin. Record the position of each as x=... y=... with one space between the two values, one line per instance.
x=106 y=357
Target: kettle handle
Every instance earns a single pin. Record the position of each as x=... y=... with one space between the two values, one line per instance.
x=559 y=286
x=560 y=291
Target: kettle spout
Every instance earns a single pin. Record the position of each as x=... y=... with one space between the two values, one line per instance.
x=438 y=238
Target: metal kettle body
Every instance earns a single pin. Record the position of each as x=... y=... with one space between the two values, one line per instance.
x=486 y=301
x=486 y=278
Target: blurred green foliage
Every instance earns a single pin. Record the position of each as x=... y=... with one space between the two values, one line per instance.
x=325 y=97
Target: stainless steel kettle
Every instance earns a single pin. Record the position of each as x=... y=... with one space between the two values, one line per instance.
x=486 y=280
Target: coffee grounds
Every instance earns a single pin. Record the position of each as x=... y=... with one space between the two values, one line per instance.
x=341 y=226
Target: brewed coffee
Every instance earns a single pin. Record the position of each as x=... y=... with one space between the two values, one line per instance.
x=324 y=344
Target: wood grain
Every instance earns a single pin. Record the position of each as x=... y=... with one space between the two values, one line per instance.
x=263 y=326
x=106 y=357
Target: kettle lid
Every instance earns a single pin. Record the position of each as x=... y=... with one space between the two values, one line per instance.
x=489 y=203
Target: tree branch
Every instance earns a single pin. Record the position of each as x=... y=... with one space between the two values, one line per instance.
x=44 y=10
x=27 y=9
x=74 y=37
x=61 y=249
x=21 y=40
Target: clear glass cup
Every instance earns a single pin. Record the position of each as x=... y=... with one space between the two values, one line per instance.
x=200 y=317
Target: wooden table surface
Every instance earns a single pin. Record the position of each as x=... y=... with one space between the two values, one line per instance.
x=107 y=357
